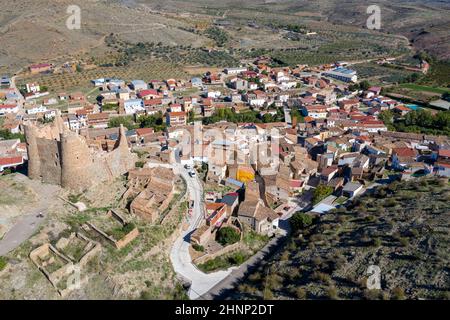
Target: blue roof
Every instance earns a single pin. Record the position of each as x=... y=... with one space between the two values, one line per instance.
x=322 y=208
x=229 y=199
x=344 y=70
x=235 y=182
x=133 y=101
x=413 y=106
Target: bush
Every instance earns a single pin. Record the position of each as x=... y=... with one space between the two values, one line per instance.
x=301 y=221
x=300 y=293
x=322 y=277
x=321 y=192
x=3 y=263
x=332 y=293
x=376 y=242
x=139 y=164
x=198 y=247
x=227 y=235
x=398 y=293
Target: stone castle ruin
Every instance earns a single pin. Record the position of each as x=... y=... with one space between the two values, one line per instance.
x=59 y=156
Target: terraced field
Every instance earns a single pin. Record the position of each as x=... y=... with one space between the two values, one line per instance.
x=146 y=71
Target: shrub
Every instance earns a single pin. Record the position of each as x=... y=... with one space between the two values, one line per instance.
x=321 y=192
x=139 y=164
x=301 y=220
x=398 y=293
x=332 y=293
x=198 y=247
x=300 y=293
x=227 y=236
x=322 y=277
x=3 y=263
x=403 y=241
x=371 y=294
x=376 y=242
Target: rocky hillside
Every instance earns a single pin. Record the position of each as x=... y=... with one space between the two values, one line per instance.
x=402 y=228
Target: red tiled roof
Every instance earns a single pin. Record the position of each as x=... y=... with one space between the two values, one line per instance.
x=350 y=101
x=10 y=161
x=296 y=183
x=404 y=152
x=214 y=206
x=329 y=170
x=7 y=106
x=98 y=116
x=402 y=108
x=152 y=102
x=148 y=92
x=144 y=131
x=40 y=65
x=177 y=114
x=444 y=153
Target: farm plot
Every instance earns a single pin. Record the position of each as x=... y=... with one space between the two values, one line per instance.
x=148 y=70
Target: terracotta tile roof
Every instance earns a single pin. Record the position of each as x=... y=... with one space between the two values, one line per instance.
x=10 y=161
x=444 y=153
x=401 y=107
x=329 y=170
x=177 y=114
x=144 y=131
x=7 y=106
x=404 y=152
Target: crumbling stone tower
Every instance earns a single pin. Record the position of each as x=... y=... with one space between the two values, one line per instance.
x=59 y=156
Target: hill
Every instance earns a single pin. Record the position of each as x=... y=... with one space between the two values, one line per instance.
x=35 y=31
x=402 y=228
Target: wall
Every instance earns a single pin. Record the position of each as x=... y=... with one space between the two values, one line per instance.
x=59 y=156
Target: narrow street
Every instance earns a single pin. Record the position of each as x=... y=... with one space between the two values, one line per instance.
x=180 y=256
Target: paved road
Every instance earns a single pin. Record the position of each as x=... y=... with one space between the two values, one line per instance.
x=179 y=255
x=21 y=231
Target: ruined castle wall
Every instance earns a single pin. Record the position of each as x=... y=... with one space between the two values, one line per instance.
x=62 y=157
x=34 y=163
x=75 y=162
x=50 y=164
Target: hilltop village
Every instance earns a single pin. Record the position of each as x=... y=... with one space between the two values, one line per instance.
x=253 y=145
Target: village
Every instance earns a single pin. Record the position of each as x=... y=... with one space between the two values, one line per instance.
x=254 y=144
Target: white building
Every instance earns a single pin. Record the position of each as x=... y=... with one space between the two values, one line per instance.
x=33 y=87
x=238 y=70
x=8 y=108
x=214 y=94
x=133 y=105
x=342 y=74
x=36 y=109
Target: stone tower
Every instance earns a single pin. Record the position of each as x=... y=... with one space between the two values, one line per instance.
x=75 y=162
x=34 y=163
x=59 y=156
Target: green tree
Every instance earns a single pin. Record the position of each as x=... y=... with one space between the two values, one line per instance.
x=301 y=221
x=321 y=192
x=364 y=85
x=126 y=121
x=227 y=235
x=7 y=135
x=155 y=121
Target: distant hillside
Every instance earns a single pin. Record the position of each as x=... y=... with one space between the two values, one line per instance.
x=35 y=31
x=403 y=228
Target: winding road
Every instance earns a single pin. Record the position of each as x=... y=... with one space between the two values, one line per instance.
x=180 y=256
